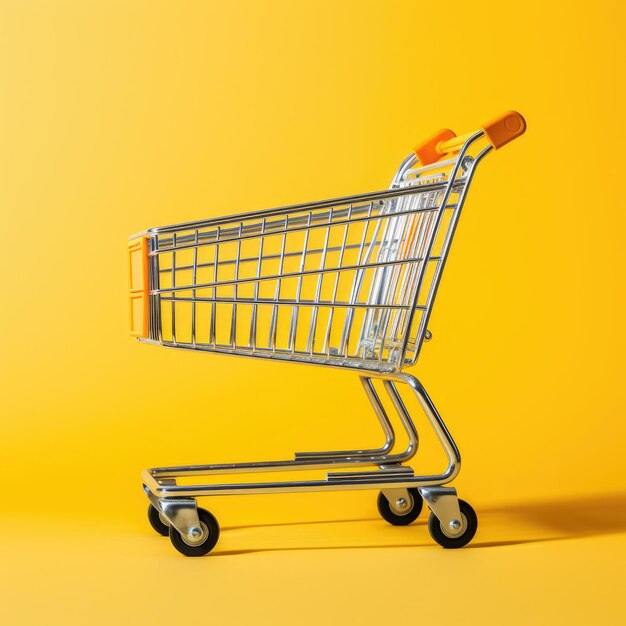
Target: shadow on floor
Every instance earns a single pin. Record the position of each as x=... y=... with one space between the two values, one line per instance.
x=584 y=516
x=531 y=522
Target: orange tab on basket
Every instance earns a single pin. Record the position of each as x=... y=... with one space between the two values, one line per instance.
x=138 y=273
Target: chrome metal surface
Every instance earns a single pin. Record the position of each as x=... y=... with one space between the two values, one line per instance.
x=389 y=475
x=195 y=535
x=444 y=503
x=381 y=414
x=182 y=514
x=402 y=471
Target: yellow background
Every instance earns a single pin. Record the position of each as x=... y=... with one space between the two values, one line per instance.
x=116 y=116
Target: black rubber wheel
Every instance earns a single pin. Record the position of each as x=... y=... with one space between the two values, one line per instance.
x=412 y=511
x=156 y=522
x=212 y=532
x=470 y=523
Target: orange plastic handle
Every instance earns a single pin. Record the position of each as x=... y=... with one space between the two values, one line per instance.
x=504 y=128
x=499 y=131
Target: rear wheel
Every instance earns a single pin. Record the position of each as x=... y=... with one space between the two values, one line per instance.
x=157 y=521
x=403 y=511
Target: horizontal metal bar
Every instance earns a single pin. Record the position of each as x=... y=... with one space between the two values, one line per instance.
x=276 y=227
x=401 y=472
x=373 y=367
x=314 y=272
x=307 y=206
x=300 y=486
x=270 y=466
x=289 y=302
x=334 y=454
x=269 y=257
x=237 y=236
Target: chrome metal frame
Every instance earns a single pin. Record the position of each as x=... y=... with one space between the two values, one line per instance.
x=386 y=243
x=161 y=486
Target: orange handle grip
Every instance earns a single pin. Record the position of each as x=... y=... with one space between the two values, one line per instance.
x=504 y=128
x=499 y=131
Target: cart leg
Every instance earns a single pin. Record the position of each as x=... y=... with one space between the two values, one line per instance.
x=441 y=431
x=384 y=421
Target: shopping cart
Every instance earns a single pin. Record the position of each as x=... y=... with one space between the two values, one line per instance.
x=346 y=283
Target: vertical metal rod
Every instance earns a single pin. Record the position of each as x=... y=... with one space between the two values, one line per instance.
x=381 y=414
x=233 y=319
x=384 y=281
x=173 y=292
x=392 y=272
x=274 y=320
x=372 y=317
x=295 y=310
x=405 y=416
x=216 y=260
x=422 y=234
x=410 y=244
x=354 y=291
x=326 y=348
x=253 y=321
x=193 y=293
x=318 y=290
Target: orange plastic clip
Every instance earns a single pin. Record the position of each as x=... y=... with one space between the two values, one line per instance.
x=427 y=152
x=139 y=288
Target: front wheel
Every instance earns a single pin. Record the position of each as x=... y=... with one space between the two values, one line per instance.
x=452 y=538
x=207 y=540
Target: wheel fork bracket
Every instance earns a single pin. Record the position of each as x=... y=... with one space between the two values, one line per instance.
x=444 y=504
x=181 y=513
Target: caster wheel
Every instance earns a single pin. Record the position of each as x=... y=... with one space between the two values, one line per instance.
x=157 y=521
x=397 y=516
x=447 y=539
x=210 y=531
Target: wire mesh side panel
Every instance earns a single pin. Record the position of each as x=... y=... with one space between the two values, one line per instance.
x=339 y=285
x=422 y=229
x=407 y=235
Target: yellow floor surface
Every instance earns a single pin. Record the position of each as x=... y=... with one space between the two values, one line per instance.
x=530 y=563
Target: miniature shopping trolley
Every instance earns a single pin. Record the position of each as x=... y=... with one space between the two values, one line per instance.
x=345 y=283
